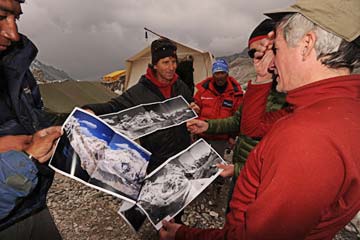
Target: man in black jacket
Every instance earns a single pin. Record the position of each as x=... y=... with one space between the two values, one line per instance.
x=22 y=113
x=159 y=83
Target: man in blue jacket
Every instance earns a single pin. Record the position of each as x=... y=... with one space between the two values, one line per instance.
x=22 y=113
x=18 y=171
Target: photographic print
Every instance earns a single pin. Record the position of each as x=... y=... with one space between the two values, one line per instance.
x=91 y=152
x=172 y=186
x=132 y=215
x=144 y=119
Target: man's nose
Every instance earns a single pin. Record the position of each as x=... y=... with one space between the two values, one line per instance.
x=10 y=31
x=173 y=66
x=272 y=66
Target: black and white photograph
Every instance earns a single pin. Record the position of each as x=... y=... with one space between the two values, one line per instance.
x=132 y=215
x=177 y=109
x=93 y=153
x=172 y=186
x=144 y=119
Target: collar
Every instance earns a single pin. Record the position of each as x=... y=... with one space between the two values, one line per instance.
x=342 y=86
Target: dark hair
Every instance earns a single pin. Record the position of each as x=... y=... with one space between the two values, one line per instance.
x=262 y=30
x=348 y=56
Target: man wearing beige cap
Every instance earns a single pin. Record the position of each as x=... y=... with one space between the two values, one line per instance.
x=302 y=181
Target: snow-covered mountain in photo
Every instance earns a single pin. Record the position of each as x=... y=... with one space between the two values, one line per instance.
x=123 y=169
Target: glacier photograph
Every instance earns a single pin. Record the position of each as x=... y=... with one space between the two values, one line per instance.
x=145 y=119
x=171 y=187
x=112 y=162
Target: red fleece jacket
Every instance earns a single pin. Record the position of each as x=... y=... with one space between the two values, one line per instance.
x=302 y=181
x=215 y=105
x=255 y=121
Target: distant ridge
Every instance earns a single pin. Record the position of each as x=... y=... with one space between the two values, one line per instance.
x=46 y=73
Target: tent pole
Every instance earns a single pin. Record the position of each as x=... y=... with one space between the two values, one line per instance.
x=146 y=29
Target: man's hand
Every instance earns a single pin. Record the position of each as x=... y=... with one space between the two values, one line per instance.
x=195 y=107
x=12 y=142
x=196 y=126
x=42 y=145
x=228 y=169
x=265 y=45
x=89 y=111
x=168 y=231
x=264 y=59
x=262 y=66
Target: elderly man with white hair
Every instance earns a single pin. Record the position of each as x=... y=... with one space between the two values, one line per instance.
x=302 y=181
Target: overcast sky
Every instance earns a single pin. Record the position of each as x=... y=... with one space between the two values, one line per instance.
x=88 y=39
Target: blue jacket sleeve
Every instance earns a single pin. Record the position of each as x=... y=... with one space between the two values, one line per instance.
x=18 y=177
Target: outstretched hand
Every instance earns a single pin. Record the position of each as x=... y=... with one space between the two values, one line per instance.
x=89 y=111
x=228 y=169
x=168 y=231
x=195 y=107
x=196 y=126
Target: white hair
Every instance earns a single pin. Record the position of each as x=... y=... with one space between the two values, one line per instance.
x=295 y=28
x=332 y=50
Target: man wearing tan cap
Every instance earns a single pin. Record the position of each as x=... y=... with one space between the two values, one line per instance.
x=302 y=181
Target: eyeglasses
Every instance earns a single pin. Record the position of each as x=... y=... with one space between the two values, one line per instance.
x=251 y=53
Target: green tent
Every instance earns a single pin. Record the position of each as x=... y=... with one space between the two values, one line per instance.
x=62 y=97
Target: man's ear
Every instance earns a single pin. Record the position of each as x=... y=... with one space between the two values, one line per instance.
x=308 y=44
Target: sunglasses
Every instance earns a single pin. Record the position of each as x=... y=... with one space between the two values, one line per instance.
x=252 y=51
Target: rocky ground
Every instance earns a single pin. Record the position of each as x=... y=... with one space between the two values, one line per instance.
x=83 y=213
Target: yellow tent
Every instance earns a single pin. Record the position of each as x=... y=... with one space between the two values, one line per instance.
x=114 y=76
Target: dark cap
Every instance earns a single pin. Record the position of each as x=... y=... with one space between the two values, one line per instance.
x=162 y=48
x=262 y=30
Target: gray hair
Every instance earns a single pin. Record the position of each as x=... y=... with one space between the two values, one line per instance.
x=331 y=50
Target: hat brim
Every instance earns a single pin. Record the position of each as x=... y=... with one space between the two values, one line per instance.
x=220 y=70
x=278 y=14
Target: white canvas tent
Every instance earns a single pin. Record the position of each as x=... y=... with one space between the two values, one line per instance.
x=137 y=65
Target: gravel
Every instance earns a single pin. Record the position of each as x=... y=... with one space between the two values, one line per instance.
x=83 y=213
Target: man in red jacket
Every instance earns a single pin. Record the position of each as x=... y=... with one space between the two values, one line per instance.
x=217 y=97
x=302 y=181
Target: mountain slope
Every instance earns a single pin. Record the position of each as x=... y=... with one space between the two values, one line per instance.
x=46 y=73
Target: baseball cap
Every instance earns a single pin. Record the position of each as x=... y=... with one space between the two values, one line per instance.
x=220 y=65
x=261 y=30
x=341 y=17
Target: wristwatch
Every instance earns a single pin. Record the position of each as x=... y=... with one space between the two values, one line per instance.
x=29 y=155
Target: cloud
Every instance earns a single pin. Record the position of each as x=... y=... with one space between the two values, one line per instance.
x=123 y=146
x=88 y=40
x=86 y=131
x=88 y=124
